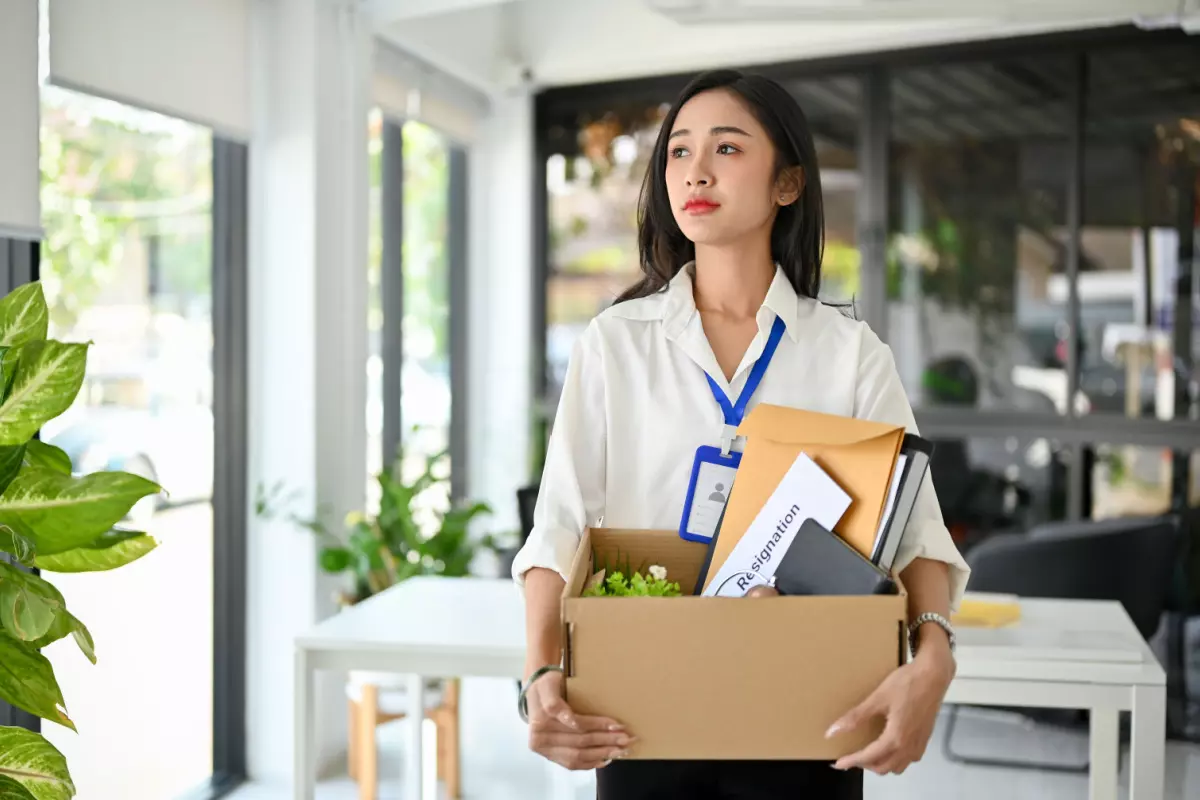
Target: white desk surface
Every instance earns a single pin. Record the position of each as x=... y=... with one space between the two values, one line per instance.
x=484 y=616
x=1056 y=640
x=1091 y=641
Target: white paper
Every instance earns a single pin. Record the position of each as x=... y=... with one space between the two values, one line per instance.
x=806 y=492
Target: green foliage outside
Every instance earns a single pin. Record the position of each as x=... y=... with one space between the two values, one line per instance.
x=108 y=184
x=52 y=520
x=426 y=235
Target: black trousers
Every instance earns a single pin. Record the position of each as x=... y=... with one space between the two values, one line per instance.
x=727 y=780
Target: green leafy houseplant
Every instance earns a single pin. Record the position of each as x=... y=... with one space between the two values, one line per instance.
x=53 y=521
x=380 y=551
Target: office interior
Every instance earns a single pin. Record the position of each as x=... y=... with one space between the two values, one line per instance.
x=327 y=251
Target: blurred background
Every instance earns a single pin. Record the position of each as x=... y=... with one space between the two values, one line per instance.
x=327 y=249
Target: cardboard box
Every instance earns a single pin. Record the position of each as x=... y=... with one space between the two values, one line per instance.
x=720 y=677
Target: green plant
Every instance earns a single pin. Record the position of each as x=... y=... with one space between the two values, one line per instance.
x=380 y=551
x=609 y=580
x=51 y=520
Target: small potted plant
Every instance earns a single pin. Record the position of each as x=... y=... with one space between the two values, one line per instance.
x=379 y=551
x=619 y=579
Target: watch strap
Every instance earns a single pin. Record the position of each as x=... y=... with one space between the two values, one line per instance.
x=936 y=619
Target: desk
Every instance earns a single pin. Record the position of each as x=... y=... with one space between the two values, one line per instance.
x=1075 y=654
x=1064 y=654
x=422 y=627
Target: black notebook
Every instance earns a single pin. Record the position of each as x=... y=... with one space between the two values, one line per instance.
x=819 y=562
x=712 y=545
x=911 y=467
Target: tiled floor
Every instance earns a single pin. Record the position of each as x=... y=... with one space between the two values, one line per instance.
x=496 y=765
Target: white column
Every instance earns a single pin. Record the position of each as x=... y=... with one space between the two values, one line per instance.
x=501 y=270
x=307 y=341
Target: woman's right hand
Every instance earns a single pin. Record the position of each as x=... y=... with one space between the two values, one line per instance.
x=575 y=741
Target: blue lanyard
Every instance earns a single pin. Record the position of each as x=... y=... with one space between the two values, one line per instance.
x=735 y=411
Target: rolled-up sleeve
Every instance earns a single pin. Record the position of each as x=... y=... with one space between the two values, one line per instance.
x=572 y=491
x=880 y=396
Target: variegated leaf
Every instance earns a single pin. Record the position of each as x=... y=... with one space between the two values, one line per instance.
x=9 y=357
x=11 y=790
x=27 y=603
x=47 y=380
x=61 y=512
x=24 y=316
x=11 y=458
x=27 y=758
x=110 y=551
x=27 y=681
x=40 y=454
x=17 y=546
x=65 y=624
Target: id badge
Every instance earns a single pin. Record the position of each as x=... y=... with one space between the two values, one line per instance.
x=708 y=491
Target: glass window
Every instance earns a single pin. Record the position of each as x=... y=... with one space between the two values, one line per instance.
x=127 y=264
x=1141 y=212
x=833 y=108
x=374 y=409
x=592 y=187
x=425 y=372
x=1127 y=481
x=976 y=250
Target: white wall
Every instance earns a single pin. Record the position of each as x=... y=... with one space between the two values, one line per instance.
x=501 y=264
x=307 y=344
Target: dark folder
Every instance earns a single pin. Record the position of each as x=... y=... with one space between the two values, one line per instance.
x=712 y=544
x=917 y=452
x=819 y=562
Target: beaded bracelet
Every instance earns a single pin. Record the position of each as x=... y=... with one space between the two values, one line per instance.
x=522 y=705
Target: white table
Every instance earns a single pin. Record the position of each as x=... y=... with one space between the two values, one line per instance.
x=1064 y=654
x=423 y=627
x=1075 y=654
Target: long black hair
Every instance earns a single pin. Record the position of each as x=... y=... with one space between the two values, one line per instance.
x=798 y=235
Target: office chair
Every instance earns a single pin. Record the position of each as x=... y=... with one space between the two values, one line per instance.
x=973 y=500
x=526 y=503
x=1129 y=560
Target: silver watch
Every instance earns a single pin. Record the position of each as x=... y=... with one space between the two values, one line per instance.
x=935 y=618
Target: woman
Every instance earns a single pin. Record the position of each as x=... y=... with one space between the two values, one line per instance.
x=731 y=234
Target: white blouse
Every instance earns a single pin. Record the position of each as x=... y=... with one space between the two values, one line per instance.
x=636 y=404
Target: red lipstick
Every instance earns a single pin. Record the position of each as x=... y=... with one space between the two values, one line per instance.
x=698 y=205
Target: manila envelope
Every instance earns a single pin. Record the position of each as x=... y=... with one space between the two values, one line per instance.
x=858 y=454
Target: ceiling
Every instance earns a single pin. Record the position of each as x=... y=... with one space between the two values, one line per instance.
x=500 y=45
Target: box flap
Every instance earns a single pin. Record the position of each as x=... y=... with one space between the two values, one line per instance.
x=797 y=426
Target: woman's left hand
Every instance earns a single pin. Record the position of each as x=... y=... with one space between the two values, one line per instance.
x=909 y=698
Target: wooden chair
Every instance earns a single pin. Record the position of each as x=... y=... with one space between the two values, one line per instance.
x=373 y=700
